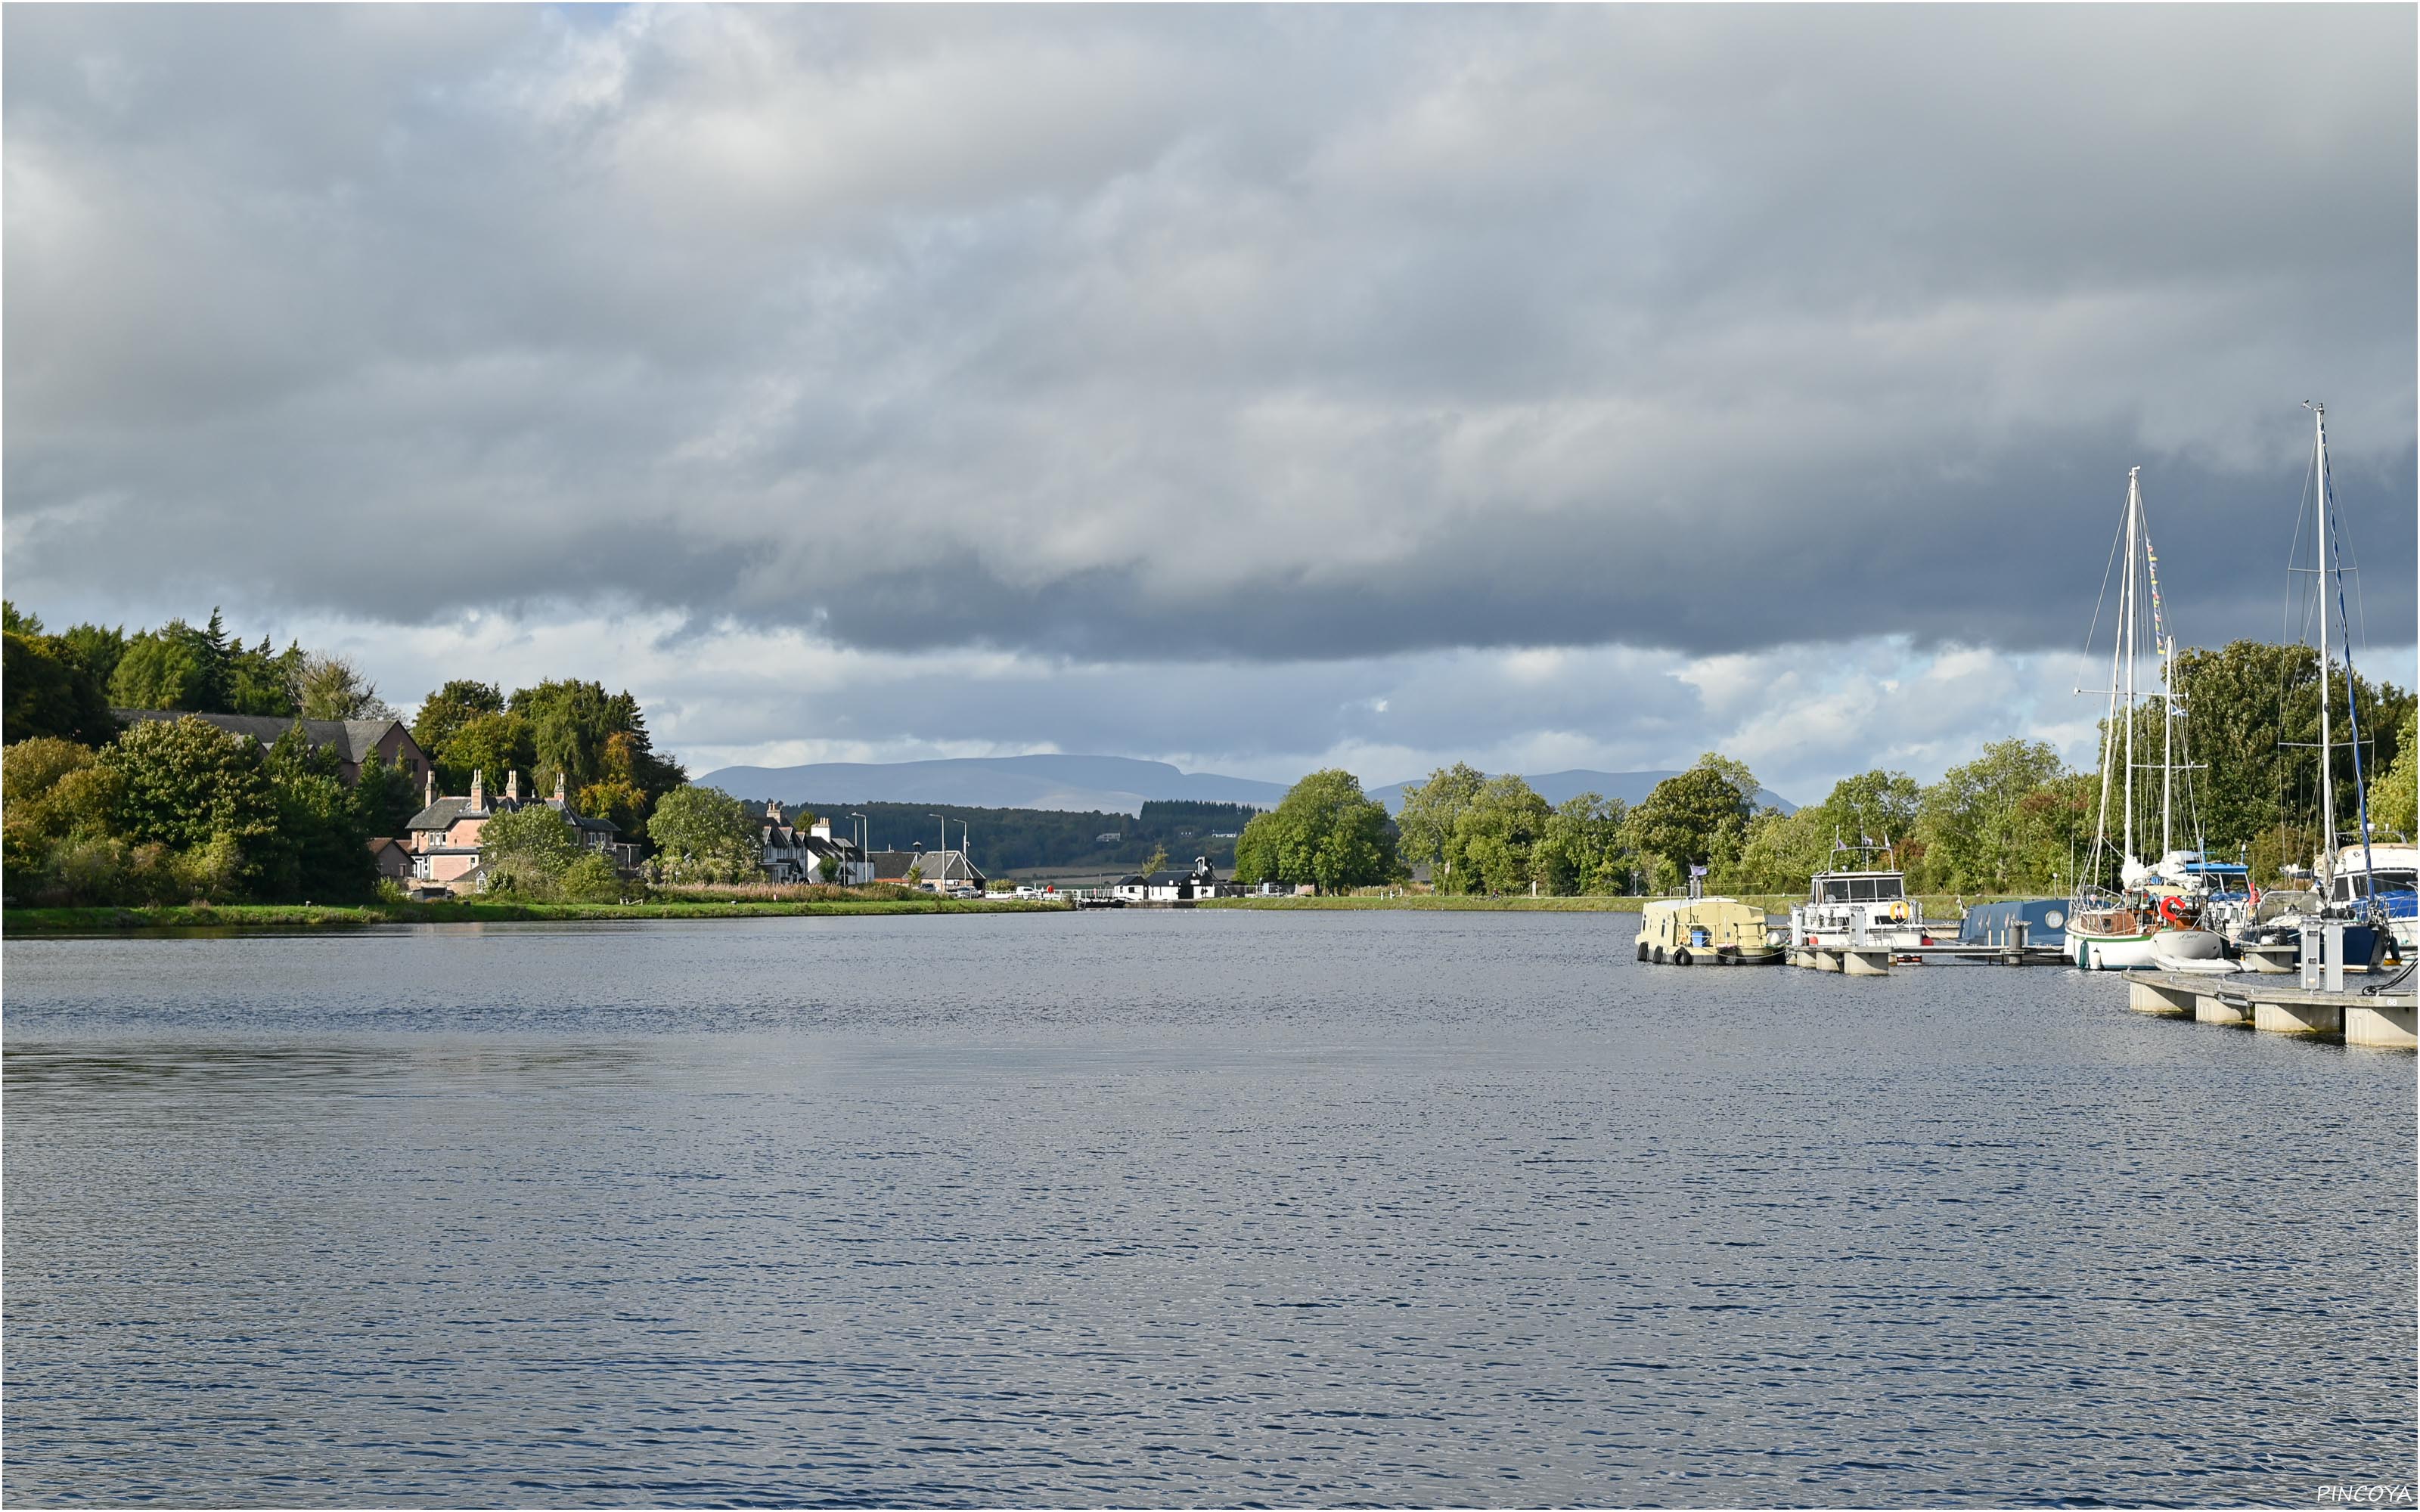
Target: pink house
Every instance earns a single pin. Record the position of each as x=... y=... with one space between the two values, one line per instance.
x=443 y=839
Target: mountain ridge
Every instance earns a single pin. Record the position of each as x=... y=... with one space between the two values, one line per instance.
x=1107 y=784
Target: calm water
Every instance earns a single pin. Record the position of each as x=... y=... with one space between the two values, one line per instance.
x=1167 y=1208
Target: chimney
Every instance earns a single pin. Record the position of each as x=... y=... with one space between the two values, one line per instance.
x=560 y=797
x=822 y=829
x=478 y=789
x=773 y=809
x=429 y=790
x=513 y=786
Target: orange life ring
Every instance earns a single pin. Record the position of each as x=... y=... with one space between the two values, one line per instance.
x=2172 y=908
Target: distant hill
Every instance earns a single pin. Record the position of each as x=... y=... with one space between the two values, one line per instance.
x=1558 y=787
x=1103 y=784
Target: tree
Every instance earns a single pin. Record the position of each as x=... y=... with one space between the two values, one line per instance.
x=614 y=798
x=704 y=835
x=162 y=669
x=451 y=707
x=97 y=650
x=260 y=680
x=591 y=879
x=1781 y=852
x=51 y=796
x=1700 y=816
x=329 y=687
x=49 y=691
x=2395 y=792
x=587 y=736
x=528 y=850
x=1155 y=861
x=186 y=782
x=320 y=849
x=1325 y=831
x=1582 y=850
x=384 y=797
x=2001 y=823
x=492 y=745
x=1256 y=850
x=1425 y=827
x=1494 y=835
x=2252 y=719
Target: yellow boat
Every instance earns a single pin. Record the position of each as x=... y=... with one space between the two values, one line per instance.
x=1715 y=931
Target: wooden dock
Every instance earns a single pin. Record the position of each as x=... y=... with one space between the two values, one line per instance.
x=1857 y=958
x=2277 y=1005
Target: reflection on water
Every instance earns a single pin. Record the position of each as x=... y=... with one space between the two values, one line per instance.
x=1173 y=1209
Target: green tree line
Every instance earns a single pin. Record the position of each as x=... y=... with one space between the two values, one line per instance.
x=175 y=810
x=2014 y=819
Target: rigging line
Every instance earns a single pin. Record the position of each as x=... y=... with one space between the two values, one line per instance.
x=2106 y=573
x=2301 y=506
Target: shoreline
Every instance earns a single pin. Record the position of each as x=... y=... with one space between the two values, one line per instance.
x=62 y=921
x=1940 y=906
x=1448 y=903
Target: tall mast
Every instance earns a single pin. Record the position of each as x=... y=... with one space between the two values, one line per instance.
x=2327 y=765
x=2168 y=741
x=2126 y=630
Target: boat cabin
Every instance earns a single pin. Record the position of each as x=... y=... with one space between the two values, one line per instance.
x=1857 y=886
x=1712 y=931
x=2385 y=872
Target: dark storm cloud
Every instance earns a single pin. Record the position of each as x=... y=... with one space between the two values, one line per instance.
x=1270 y=335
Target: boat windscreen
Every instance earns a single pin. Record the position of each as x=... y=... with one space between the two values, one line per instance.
x=1836 y=890
x=2350 y=884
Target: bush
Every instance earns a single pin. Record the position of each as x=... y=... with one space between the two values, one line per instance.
x=590 y=880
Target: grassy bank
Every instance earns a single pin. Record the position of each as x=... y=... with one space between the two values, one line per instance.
x=312 y=916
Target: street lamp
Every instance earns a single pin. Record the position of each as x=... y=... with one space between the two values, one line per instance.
x=861 y=836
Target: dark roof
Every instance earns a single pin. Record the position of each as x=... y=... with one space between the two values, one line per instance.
x=354 y=739
x=444 y=811
x=935 y=866
x=441 y=814
x=580 y=821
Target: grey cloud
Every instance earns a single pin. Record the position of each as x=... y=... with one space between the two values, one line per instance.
x=1285 y=335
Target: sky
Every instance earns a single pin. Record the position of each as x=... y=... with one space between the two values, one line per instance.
x=1255 y=390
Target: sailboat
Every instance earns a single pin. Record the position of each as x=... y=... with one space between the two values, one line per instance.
x=2153 y=920
x=2366 y=888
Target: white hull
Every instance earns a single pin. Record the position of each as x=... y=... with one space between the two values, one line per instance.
x=2166 y=949
x=2106 y=953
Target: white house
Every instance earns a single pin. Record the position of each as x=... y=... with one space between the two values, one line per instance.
x=792 y=853
x=1176 y=886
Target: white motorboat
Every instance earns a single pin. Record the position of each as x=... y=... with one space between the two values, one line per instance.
x=1860 y=906
x=2386 y=877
